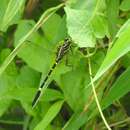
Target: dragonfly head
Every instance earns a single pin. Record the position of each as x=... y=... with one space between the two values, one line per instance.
x=68 y=40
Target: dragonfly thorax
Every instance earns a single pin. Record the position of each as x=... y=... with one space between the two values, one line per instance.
x=63 y=49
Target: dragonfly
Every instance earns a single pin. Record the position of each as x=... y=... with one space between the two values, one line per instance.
x=61 y=52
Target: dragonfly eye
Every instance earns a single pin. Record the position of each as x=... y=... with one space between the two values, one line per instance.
x=68 y=39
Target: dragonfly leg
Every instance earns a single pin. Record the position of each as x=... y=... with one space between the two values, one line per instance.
x=71 y=50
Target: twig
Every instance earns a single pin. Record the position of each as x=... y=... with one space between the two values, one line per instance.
x=95 y=95
x=119 y=122
x=11 y=122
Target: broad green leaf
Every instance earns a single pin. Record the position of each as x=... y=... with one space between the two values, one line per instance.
x=11 y=12
x=55 y=28
x=87 y=5
x=112 y=12
x=28 y=78
x=84 y=28
x=125 y=5
x=61 y=31
x=121 y=47
x=76 y=4
x=24 y=81
x=78 y=28
x=3 y=6
x=118 y=89
x=50 y=115
x=100 y=27
x=51 y=26
x=52 y=95
x=48 y=13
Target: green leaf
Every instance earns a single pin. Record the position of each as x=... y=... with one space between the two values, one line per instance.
x=118 y=89
x=76 y=4
x=50 y=115
x=55 y=28
x=78 y=28
x=3 y=7
x=25 y=80
x=84 y=28
x=121 y=47
x=52 y=95
x=112 y=12
x=11 y=12
x=51 y=26
x=100 y=27
x=90 y=6
x=125 y=5
x=28 y=77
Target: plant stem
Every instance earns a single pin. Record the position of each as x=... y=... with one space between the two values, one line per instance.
x=11 y=122
x=119 y=122
x=26 y=122
x=95 y=95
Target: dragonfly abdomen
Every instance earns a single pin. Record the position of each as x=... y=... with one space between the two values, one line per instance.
x=37 y=96
x=49 y=73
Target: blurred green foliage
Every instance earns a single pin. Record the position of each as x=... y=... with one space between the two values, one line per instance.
x=31 y=31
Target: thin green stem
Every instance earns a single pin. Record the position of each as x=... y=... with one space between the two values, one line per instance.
x=119 y=122
x=95 y=95
x=26 y=122
x=11 y=122
x=91 y=54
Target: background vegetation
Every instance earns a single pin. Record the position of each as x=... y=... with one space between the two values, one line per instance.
x=31 y=30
